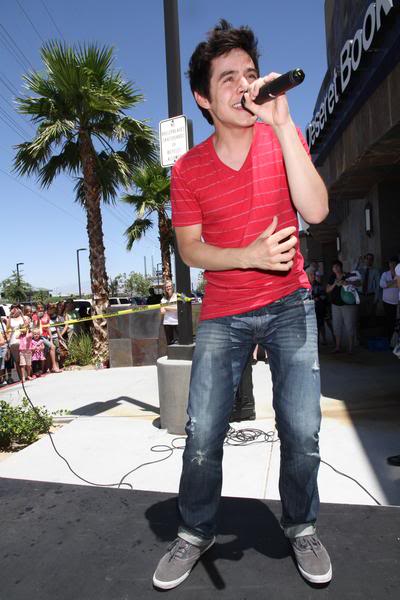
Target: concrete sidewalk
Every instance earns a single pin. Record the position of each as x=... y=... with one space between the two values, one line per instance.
x=114 y=424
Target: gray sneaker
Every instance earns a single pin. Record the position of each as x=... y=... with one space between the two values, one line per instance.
x=176 y=564
x=312 y=558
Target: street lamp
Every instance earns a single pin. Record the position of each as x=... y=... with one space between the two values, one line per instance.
x=18 y=280
x=79 y=272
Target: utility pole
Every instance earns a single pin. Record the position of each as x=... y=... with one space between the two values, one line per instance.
x=18 y=277
x=174 y=85
x=79 y=270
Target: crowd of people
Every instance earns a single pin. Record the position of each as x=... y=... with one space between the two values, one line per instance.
x=34 y=339
x=347 y=301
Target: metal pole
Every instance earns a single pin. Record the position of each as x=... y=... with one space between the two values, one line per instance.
x=79 y=271
x=79 y=274
x=172 y=52
x=18 y=277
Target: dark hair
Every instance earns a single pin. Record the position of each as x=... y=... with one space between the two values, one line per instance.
x=220 y=40
x=393 y=259
x=338 y=263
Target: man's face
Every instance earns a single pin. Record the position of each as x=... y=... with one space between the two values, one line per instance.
x=230 y=76
x=369 y=259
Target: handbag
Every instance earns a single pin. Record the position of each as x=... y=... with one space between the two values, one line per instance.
x=347 y=297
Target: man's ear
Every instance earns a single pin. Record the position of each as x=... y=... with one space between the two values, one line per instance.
x=201 y=101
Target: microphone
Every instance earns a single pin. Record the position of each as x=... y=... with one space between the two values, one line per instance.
x=277 y=87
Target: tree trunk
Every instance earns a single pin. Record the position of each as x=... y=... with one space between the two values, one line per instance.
x=165 y=232
x=98 y=275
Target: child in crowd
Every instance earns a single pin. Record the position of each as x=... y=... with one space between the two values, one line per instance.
x=38 y=358
x=25 y=352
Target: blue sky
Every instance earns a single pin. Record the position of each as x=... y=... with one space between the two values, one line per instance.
x=43 y=228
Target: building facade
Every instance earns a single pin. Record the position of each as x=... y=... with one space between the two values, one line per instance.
x=354 y=134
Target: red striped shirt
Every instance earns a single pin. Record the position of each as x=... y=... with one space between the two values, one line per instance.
x=234 y=208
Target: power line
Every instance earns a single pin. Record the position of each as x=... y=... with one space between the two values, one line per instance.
x=43 y=197
x=54 y=205
x=8 y=85
x=13 y=48
x=52 y=20
x=27 y=16
x=11 y=127
x=26 y=122
x=7 y=100
x=6 y=114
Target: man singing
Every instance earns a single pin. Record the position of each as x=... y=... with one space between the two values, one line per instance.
x=234 y=203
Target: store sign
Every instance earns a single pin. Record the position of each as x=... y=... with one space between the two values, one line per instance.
x=174 y=140
x=350 y=58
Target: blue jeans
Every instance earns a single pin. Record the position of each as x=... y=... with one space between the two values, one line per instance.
x=287 y=329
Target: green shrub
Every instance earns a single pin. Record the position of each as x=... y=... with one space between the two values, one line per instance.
x=80 y=350
x=21 y=424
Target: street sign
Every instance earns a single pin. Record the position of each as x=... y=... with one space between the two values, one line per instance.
x=174 y=140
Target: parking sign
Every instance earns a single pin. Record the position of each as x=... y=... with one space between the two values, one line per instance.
x=174 y=139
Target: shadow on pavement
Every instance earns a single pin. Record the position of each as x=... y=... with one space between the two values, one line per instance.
x=96 y=408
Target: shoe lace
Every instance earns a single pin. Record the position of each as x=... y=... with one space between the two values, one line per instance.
x=178 y=549
x=308 y=542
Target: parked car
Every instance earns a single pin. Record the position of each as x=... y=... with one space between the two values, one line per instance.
x=6 y=309
x=83 y=306
x=119 y=300
x=139 y=300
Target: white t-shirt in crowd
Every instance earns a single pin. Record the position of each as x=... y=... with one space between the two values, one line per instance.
x=397 y=271
x=171 y=316
x=390 y=295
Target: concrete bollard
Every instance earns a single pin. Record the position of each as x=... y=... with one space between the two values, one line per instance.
x=173 y=390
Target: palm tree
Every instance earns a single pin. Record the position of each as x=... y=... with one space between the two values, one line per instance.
x=79 y=106
x=153 y=182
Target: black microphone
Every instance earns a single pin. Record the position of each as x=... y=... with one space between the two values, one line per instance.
x=278 y=86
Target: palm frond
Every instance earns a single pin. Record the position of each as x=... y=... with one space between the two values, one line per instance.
x=140 y=141
x=68 y=160
x=29 y=158
x=79 y=189
x=136 y=231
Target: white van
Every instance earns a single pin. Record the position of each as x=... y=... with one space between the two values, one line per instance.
x=121 y=300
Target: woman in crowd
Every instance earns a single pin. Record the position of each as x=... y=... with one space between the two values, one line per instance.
x=14 y=324
x=170 y=311
x=69 y=315
x=41 y=320
x=344 y=316
x=390 y=296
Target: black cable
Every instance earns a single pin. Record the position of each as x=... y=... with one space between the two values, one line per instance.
x=247 y=437
x=234 y=437
x=52 y=20
x=352 y=479
x=30 y=21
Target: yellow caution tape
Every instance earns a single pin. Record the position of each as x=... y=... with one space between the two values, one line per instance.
x=127 y=311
